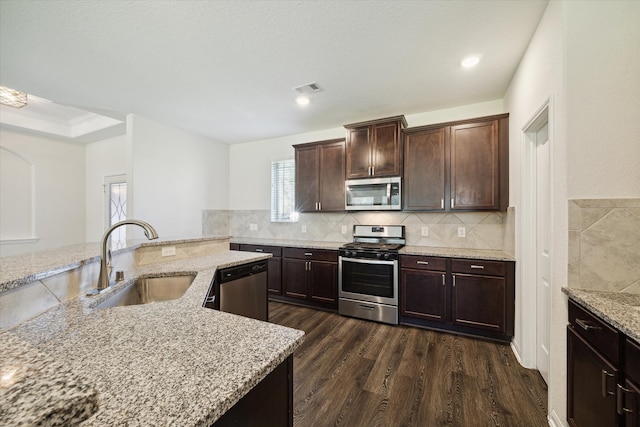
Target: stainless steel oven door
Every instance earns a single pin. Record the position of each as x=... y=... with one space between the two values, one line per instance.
x=368 y=280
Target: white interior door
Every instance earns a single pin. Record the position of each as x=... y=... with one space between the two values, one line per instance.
x=543 y=267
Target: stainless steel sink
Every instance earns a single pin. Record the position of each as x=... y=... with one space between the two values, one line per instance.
x=150 y=289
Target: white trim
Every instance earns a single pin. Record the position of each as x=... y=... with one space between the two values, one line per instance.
x=555 y=420
x=19 y=240
x=526 y=244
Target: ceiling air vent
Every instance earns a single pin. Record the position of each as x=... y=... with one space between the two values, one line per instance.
x=308 y=89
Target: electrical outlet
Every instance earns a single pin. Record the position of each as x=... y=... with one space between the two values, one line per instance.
x=343 y=229
x=462 y=232
x=169 y=251
x=253 y=227
x=304 y=228
x=425 y=231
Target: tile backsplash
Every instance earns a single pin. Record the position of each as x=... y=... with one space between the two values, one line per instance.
x=483 y=230
x=604 y=244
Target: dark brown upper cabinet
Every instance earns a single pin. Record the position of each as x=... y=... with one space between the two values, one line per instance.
x=374 y=148
x=457 y=166
x=320 y=169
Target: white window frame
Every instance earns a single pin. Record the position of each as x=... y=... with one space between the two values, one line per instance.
x=283 y=185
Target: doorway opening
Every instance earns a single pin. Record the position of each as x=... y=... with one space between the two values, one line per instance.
x=536 y=232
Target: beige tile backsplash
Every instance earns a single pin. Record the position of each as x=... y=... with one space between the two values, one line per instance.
x=604 y=244
x=484 y=230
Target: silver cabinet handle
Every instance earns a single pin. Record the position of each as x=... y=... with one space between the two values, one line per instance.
x=319 y=206
x=308 y=254
x=620 y=400
x=452 y=202
x=584 y=325
x=441 y=203
x=373 y=170
x=454 y=280
x=478 y=267
x=604 y=376
x=422 y=262
x=443 y=282
x=259 y=250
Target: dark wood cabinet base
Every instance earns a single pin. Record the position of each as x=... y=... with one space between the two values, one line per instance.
x=270 y=403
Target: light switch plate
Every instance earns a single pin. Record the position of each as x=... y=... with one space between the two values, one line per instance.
x=343 y=229
x=425 y=230
x=462 y=232
x=304 y=228
x=169 y=251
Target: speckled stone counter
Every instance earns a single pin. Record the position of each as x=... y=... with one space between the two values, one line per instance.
x=458 y=253
x=167 y=363
x=289 y=243
x=407 y=250
x=621 y=310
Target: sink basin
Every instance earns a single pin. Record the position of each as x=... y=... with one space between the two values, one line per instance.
x=150 y=289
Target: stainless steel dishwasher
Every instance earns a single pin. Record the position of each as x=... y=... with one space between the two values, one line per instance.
x=240 y=290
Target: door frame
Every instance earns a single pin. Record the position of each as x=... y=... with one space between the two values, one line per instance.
x=527 y=242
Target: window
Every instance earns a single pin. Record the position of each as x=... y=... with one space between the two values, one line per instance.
x=283 y=186
x=116 y=202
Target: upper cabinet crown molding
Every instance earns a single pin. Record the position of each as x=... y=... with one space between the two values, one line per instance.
x=374 y=148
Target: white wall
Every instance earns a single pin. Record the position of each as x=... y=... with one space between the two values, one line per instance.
x=585 y=56
x=59 y=188
x=174 y=176
x=250 y=163
x=103 y=158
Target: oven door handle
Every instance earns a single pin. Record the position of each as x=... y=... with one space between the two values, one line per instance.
x=367 y=261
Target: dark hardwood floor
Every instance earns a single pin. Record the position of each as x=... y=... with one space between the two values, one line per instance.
x=352 y=372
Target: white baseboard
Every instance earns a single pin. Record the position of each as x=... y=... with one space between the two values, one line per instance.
x=555 y=421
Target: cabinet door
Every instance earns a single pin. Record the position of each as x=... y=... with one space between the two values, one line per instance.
x=385 y=150
x=323 y=278
x=425 y=170
x=424 y=295
x=358 y=153
x=591 y=385
x=630 y=404
x=306 y=178
x=274 y=276
x=475 y=168
x=294 y=277
x=332 y=176
x=479 y=302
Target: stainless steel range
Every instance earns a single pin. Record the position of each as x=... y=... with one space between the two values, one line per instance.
x=368 y=273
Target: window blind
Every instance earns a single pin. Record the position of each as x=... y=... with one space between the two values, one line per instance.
x=283 y=180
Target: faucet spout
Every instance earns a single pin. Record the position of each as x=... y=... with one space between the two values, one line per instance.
x=103 y=278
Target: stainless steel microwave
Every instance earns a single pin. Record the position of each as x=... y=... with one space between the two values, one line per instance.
x=373 y=194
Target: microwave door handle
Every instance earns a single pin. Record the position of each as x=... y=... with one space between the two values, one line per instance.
x=389 y=193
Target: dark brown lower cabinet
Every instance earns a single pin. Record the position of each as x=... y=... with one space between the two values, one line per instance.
x=310 y=277
x=603 y=372
x=471 y=297
x=269 y=403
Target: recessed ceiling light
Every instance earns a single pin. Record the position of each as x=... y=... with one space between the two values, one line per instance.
x=302 y=100
x=470 y=61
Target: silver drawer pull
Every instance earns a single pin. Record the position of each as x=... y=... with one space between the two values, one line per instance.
x=308 y=254
x=584 y=325
x=620 y=400
x=422 y=262
x=606 y=375
x=478 y=267
x=259 y=250
x=366 y=307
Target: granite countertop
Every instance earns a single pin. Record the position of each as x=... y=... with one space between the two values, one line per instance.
x=486 y=254
x=167 y=363
x=621 y=310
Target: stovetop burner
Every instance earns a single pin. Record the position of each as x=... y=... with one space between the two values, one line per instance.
x=375 y=239
x=373 y=246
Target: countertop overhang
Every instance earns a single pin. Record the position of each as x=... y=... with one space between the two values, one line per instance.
x=168 y=363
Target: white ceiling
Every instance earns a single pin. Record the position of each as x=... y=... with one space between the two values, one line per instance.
x=226 y=69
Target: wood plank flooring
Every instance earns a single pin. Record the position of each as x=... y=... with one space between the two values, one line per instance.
x=352 y=372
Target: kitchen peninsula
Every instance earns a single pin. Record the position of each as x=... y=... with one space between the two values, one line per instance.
x=168 y=363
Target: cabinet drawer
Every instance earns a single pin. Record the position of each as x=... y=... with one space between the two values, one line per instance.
x=476 y=266
x=420 y=262
x=311 y=254
x=276 y=251
x=596 y=332
x=632 y=360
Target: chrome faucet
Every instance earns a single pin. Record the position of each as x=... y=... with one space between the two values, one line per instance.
x=103 y=278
